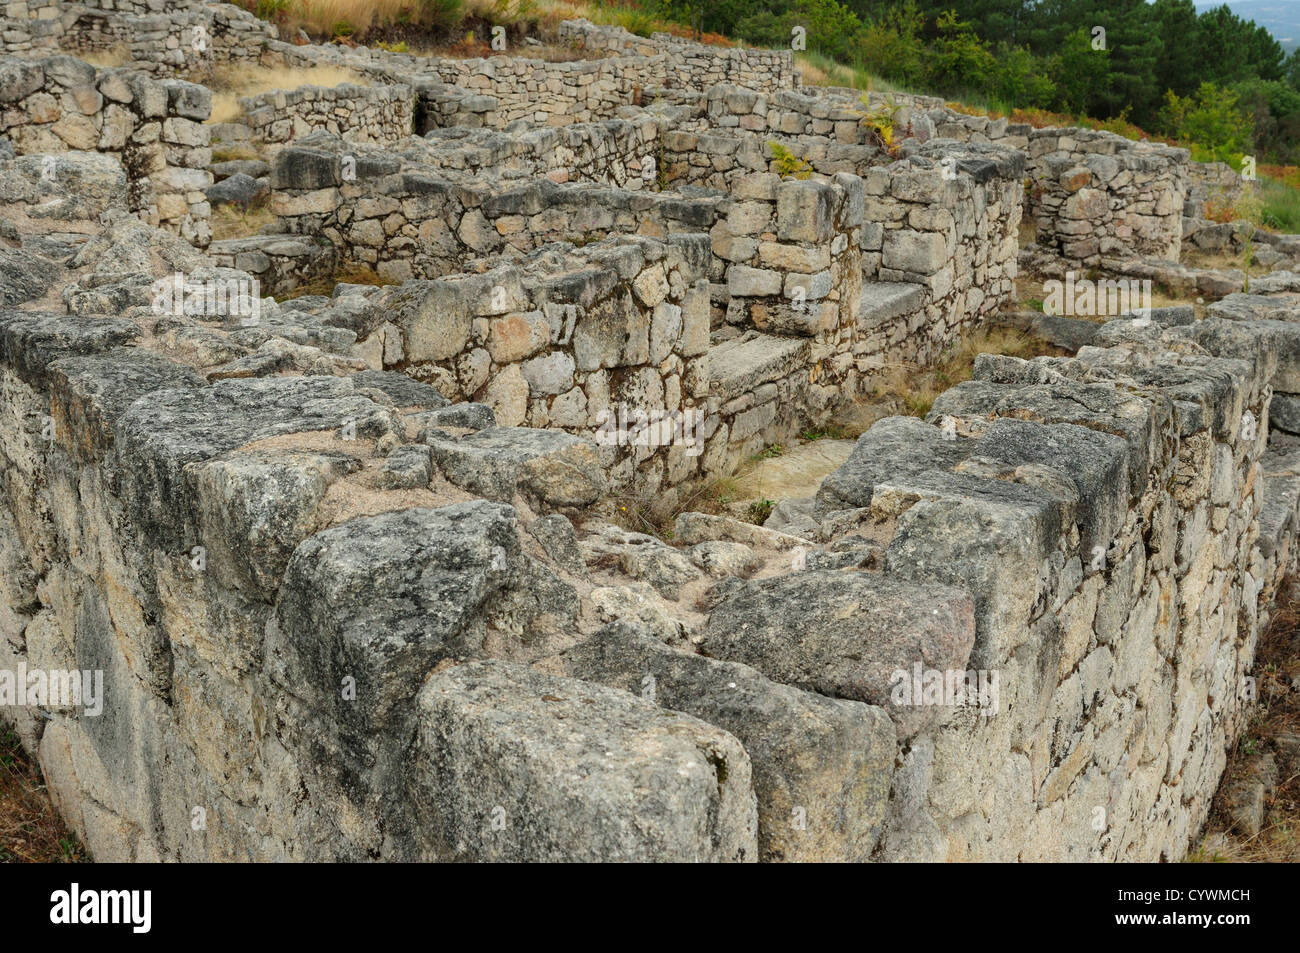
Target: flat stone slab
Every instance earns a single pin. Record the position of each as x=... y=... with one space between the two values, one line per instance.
x=513 y=765
x=551 y=467
x=1255 y=307
x=895 y=448
x=741 y=364
x=1280 y=513
x=882 y=301
x=1068 y=333
x=844 y=634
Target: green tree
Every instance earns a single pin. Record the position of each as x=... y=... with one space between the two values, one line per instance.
x=1079 y=71
x=1020 y=80
x=1179 y=30
x=958 y=59
x=1211 y=121
x=891 y=45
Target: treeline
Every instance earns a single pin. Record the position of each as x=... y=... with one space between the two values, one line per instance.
x=1210 y=79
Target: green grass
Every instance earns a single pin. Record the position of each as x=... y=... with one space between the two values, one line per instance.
x=819 y=69
x=630 y=18
x=829 y=432
x=760 y=510
x=1281 y=210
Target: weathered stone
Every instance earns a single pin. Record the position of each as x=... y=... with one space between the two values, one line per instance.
x=845 y=635
x=840 y=803
x=596 y=774
x=553 y=469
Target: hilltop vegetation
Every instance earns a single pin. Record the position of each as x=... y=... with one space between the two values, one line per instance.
x=1211 y=81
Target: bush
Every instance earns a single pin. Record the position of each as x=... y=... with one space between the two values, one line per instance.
x=891 y=46
x=1211 y=121
x=440 y=14
x=958 y=60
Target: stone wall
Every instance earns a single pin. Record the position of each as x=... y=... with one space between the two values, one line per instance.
x=217 y=512
x=568 y=339
x=620 y=152
x=203 y=720
x=154 y=128
x=409 y=223
x=1101 y=513
x=946 y=219
x=1083 y=529
x=164 y=38
x=926 y=254
x=1207 y=182
x=695 y=154
x=698 y=66
x=363 y=113
x=1096 y=194
x=793 y=255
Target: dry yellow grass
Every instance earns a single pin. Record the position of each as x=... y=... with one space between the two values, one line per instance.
x=911 y=390
x=346 y=17
x=229 y=84
x=348 y=274
x=110 y=58
x=1277 y=661
x=30 y=829
x=229 y=221
x=824 y=72
x=1031 y=290
x=354 y=18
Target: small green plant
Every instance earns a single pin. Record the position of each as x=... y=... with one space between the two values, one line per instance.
x=1034 y=304
x=399 y=47
x=771 y=451
x=829 y=432
x=760 y=510
x=883 y=122
x=787 y=164
x=342 y=29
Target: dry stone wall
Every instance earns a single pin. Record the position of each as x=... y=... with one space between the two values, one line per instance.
x=163 y=38
x=1081 y=530
x=1124 y=666
x=417 y=224
x=365 y=113
x=155 y=129
x=1023 y=628
x=948 y=220
x=1211 y=183
x=1097 y=194
x=575 y=339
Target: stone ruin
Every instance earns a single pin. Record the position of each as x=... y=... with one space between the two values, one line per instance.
x=348 y=562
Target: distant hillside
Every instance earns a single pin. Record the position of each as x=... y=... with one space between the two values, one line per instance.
x=1280 y=17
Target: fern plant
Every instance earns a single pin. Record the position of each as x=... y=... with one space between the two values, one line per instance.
x=883 y=122
x=787 y=164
